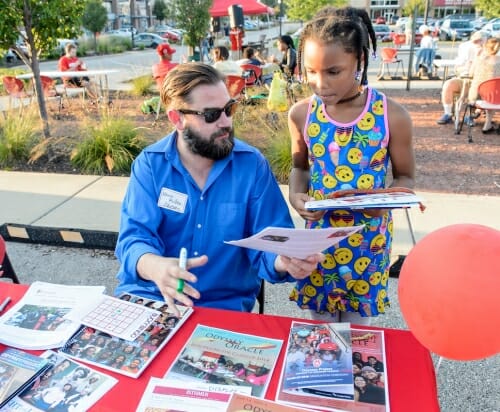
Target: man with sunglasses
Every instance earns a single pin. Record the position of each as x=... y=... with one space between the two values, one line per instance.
x=196 y=188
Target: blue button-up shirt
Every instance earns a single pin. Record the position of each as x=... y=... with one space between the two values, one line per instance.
x=240 y=198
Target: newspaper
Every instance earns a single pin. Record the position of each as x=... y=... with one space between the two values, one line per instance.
x=40 y=319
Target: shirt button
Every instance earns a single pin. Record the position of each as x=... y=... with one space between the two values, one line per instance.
x=195 y=253
x=201 y=198
x=198 y=226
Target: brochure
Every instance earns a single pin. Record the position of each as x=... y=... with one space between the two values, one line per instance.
x=319 y=359
x=240 y=403
x=166 y=395
x=370 y=382
x=67 y=386
x=127 y=357
x=297 y=243
x=387 y=200
x=224 y=357
x=18 y=369
x=40 y=319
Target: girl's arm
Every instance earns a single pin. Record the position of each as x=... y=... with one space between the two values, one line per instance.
x=400 y=148
x=299 y=175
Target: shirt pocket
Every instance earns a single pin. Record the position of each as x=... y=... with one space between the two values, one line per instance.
x=230 y=218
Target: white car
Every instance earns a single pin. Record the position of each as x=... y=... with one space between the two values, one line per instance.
x=149 y=40
x=492 y=28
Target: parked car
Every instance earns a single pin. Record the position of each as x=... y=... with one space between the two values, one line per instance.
x=169 y=35
x=455 y=29
x=492 y=29
x=382 y=32
x=399 y=38
x=149 y=40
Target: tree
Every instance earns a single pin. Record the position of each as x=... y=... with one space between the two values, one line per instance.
x=160 y=10
x=409 y=8
x=305 y=9
x=194 y=18
x=40 y=23
x=490 y=8
x=95 y=17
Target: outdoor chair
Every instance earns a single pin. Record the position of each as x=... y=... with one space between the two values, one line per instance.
x=389 y=55
x=50 y=91
x=6 y=269
x=252 y=74
x=235 y=85
x=16 y=90
x=489 y=92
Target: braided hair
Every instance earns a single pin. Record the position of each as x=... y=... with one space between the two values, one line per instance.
x=349 y=26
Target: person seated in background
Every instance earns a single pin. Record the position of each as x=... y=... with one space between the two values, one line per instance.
x=467 y=52
x=160 y=69
x=426 y=52
x=223 y=64
x=249 y=57
x=289 y=56
x=486 y=66
x=70 y=62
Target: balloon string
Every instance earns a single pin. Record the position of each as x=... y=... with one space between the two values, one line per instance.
x=438 y=364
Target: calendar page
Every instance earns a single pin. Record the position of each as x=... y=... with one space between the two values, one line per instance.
x=120 y=318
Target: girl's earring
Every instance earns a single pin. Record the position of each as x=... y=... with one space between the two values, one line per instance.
x=357 y=76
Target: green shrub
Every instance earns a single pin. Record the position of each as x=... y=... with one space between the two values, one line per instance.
x=110 y=146
x=18 y=135
x=278 y=148
x=141 y=86
x=113 y=44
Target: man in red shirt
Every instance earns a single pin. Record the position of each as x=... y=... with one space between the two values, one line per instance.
x=236 y=38
x=160 y=70
x=70 y=62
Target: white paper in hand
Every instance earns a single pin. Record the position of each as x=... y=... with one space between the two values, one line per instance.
x=297 y=243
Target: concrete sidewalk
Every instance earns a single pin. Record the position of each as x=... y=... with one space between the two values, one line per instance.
x=92 y=203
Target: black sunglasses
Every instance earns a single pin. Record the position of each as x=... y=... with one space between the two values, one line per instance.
x=212 y=115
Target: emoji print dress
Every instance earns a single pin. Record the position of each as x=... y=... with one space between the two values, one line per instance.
x=355 y=272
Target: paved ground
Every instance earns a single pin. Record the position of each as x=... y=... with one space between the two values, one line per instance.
x=90 y=204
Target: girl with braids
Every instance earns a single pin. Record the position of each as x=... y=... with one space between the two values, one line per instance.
x=343 y=138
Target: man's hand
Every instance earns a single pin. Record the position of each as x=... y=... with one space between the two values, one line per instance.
x=166 y=273
x=298 y=268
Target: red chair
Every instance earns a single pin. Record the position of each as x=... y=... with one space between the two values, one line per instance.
x=49 y=89
x=6 y=269
x=389 y=55
x=252 y=74
x=235 y=85
x=15 y=89
x=489 y=92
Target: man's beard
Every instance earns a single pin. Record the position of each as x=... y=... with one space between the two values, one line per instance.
x=211 y=148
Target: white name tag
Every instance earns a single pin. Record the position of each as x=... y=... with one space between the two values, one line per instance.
x=172 y=200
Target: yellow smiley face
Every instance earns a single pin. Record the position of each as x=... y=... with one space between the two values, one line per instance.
x=361 y=264
x=314 y=105
x=367 y=122
x=342 y=136
x=380 y=306
x=355 y=239
x=361 y=287
x=377 y=245
x=390 y=226
x=378 y=160
x=313 y=130
x=310 y=291
x=344 y=173
x=316 y=278
x=375 y=278
x=294 y=295
x=341 y=218
x=321 y=116
x=354 y=155
x=378 y=107
x=365 y=181
x=329 y=181
x=382 y=294
x=385 y=278
x=318 y=149
x=318 y=195
x=329 y=262
x=342 y=255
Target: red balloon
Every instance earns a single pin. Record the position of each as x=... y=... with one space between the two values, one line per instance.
x=449 y=291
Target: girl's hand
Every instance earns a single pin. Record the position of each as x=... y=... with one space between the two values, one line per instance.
x=298 y=200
